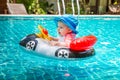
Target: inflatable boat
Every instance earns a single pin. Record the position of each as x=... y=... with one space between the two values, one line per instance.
x=79 y=48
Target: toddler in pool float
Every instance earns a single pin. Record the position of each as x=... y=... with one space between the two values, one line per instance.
x=66 y=29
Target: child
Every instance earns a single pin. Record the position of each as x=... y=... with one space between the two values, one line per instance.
x=66 y=29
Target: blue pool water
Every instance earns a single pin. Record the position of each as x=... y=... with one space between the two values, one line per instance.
x=18 y=64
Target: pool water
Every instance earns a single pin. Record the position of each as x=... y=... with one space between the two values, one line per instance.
x=17 y=63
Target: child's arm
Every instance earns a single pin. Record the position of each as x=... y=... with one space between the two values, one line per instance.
x=56 y=43
x=53 y=38
x=66 y=42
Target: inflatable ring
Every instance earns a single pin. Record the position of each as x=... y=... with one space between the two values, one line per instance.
x=41 y=47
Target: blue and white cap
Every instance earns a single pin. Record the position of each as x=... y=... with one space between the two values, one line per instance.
x=69 y=21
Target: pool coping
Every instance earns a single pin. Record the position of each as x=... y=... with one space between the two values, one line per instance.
x=49 y=17
x=60 y=15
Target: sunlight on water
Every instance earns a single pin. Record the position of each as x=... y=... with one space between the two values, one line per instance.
x=16 y=63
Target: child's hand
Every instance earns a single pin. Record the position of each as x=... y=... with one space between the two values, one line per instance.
x=54 y=43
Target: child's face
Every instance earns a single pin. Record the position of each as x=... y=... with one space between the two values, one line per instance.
x=63 y=29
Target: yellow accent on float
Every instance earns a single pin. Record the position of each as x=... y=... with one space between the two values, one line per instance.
x=42 y=34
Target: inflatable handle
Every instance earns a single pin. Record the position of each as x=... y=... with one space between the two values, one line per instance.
x=83 y=43
x=44 y=33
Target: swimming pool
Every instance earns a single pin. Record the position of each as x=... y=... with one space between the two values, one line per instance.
x=18 y=64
